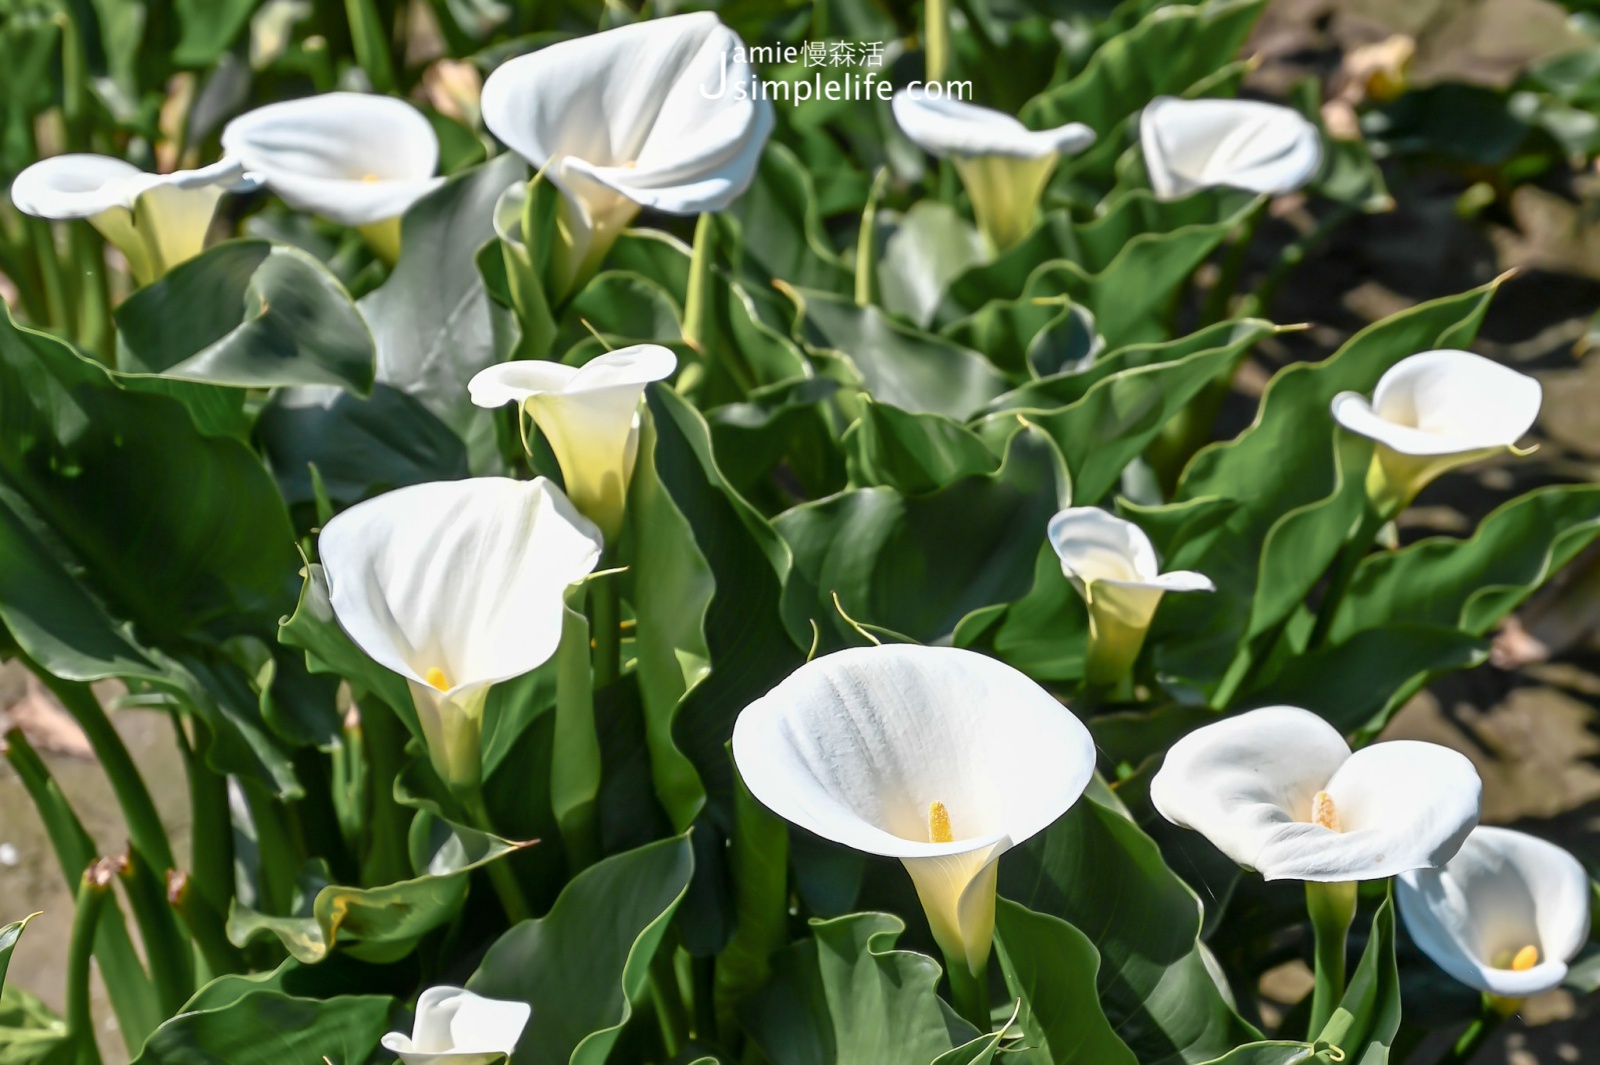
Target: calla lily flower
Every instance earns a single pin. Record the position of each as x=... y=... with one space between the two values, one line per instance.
x=456 y=586
x=1242 y=144
x=1113 y=566
x=940 y=757
x=354 y=158
x=1433 y=412
x=1278 y=791
x=457 y=1027
x=1504 y=916
x=156 y=220
x=1003 y=164
x=590 y=415
x=657 y=114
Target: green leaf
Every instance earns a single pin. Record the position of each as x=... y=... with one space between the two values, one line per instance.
x=1050 y=966
x=208 y=28
x=9 y=934
x=584 y=962
x=248 y=313
x=270 y=1028
x=847 y=997
x=913 y=453
x=779 y=228
x=931 y=245
x=1097 y=871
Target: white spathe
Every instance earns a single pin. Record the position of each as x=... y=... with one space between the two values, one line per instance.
x=644 y=115
x=457 y=585
x=1434 y=411
x=454 y=1026
x=1257 y=785
x=156 y=220
x=1503 y=893
x=1003 y=164
x=590 y=416
x=859 y=745
x=1114 y=568
x=1243 y=144
x=354 y=158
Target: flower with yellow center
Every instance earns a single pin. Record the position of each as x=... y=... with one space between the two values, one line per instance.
x=1504 y=915
x=156 y=220
x=1279 y=791
x=1433 y=412
x=940 y=757
x=590 y=416
x=456 y=586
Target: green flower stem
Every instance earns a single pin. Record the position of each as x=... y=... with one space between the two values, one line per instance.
x=1355 y=549
x=670 y=1011
x=575 y=765
x=94 y=331
x=936 y=39
x=969 y=992
x=501 y=876
x=211 y=844
x=1332 y=908
x=1478 y=1033
x=700 y=259
x=1233 y=260
x=205 y=925
x=166 y=945
x=389 y=823
x=605 y=622
x=867 y=243
x=369 y=38
x=93 y=888
x=51 y=277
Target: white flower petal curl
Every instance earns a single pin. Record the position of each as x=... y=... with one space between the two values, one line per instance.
x=1443 y=402
x=355 y=158
x=951 y=128
x=1503 y=891
x=458 y=1027
x=1248 y=784
x=1190 y=145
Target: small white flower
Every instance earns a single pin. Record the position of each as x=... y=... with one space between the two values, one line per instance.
x=1278 y=791
x=590 y=416
x=1003 y=164
x=1434 y=411
x=457 y=1027
x=1504 y=916
x=1243 y=144
x=940 y=757
x=156 y=220
x=1113 y=566
x=354 y=158
x=456 y=586
x=644 y=115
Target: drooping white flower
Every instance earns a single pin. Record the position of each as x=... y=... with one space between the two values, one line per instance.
x=354 y=158
x=457 y=1027
x=1003 y=164
x=156 y=220
x=656 y=114
x=1504 y=916
x=456 y=586
x=1279 y=791
x=1113 y=566
x=1242 y=144
x=590 y=415
x=1434 y=411
x=940 y=757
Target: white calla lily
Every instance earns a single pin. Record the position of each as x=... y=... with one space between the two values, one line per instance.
x=590 y=416
x=940 y=757
x=354 y=158
x=1190 y=145
x=454 y=1026
x=656 y=114
x=1003 y=164
x=1113 y=566
x=1279 y=791
x=156 y=220
x=1435 y=411
x=1504 y=915
x=456 y=586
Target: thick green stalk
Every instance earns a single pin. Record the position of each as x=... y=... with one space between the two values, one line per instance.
x=1471 y=1041
x=93 y=888
x=701 y=256
x=51 y=278
x=1332 y=908
x=936 y=39
x=670 y=1011
x=575 y=766
x=93 y=327
x=369 y=38
x=501 y=876
x=165 y=945
x=969 y=992
x=867 y=243
x=206 y=926
x=211 y=842
x=605 y=621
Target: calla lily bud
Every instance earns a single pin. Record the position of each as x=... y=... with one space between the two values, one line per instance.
x=456 y=586
x=940 y=757
x=1113 y=566
x=156 y=220
x=353 y=158
x=1241 y=144
x=457 y=1027
x=1504 y=915
x=657 y=114
x=590 y=416
x=1433 y=412
x=1003 y=164
x=1279 y=791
